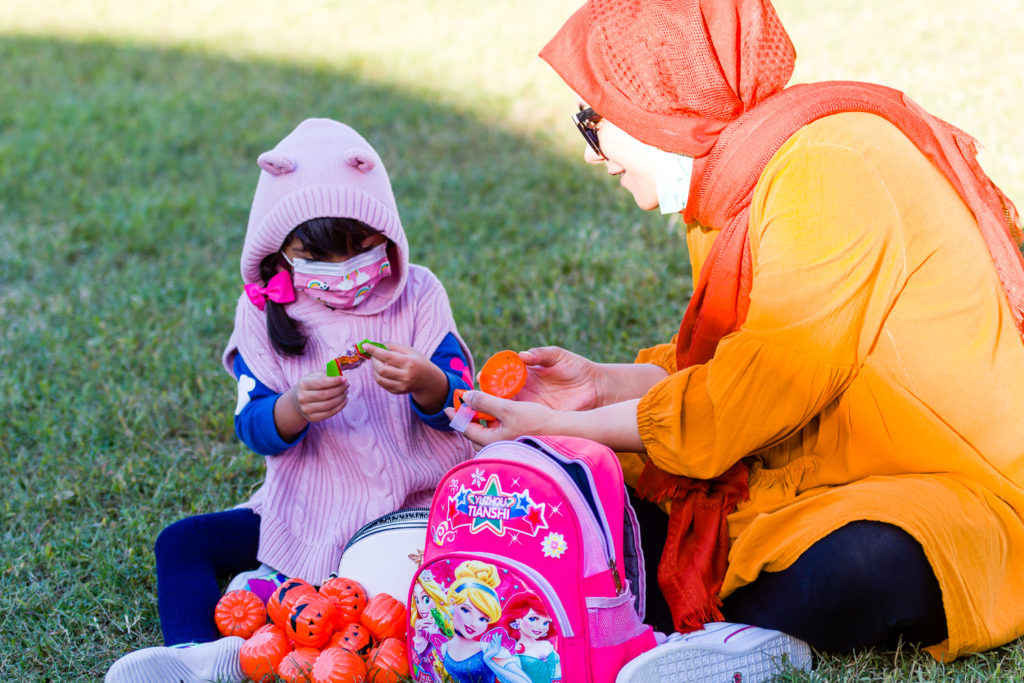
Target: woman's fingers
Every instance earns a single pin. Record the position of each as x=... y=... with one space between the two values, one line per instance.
x=544 y=356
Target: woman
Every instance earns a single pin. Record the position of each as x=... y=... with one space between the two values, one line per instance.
x=835 y=427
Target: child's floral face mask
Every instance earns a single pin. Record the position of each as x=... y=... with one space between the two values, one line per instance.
x=341 y=285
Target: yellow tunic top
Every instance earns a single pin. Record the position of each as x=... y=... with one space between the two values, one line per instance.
x=878 y=376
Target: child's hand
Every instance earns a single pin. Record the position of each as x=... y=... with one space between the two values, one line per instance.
x=401 y=369
x=314 y=398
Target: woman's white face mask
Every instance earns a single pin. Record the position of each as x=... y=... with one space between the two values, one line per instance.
x=672 y=180
x=341 y=285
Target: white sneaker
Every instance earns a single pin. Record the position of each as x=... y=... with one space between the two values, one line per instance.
x=215 y=661
x=719 y=653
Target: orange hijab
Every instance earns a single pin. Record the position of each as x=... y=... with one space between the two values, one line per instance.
x=705 y=78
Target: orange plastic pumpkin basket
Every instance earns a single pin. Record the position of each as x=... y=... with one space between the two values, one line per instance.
x=384 y=616
x=457 y=403
x=335 y=665
x=239 y=613
x=353 y=637
x=311 y=621
x=263 y=651
x=348 y=596
x=297 y=665
x=388 y=662
x=284 y=596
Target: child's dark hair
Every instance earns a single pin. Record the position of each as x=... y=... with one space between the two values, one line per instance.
x=322 y=238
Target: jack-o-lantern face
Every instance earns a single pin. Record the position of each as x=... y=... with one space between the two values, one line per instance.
x=348 y=596
x=284 y=596
x=354 y=638
x=311 y=621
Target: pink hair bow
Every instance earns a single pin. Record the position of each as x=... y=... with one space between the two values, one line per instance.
x=279 y=290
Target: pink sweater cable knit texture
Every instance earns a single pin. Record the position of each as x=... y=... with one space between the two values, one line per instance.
x=375 y=456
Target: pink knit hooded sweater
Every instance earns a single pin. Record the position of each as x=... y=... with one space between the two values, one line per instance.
x=375 y=456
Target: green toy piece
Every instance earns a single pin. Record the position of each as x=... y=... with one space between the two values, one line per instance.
x=360 y=345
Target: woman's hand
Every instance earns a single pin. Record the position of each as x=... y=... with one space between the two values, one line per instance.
x=314 y=398
x=561 y=379
x=513 y=418
x=614 y=425
x=401 y=369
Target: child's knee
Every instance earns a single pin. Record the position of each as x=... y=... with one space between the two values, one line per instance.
x=174 y=539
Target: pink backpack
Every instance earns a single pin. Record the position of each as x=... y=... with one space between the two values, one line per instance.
x=532 y=569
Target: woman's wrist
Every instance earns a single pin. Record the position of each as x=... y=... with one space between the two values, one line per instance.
x=614 y=425
x=617 y=382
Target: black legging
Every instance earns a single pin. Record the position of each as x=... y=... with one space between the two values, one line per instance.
x=192 y=556
x=867 y=583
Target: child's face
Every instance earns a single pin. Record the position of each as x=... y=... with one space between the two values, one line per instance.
x=424 y=603
x=296 y=249
x=468 y=620
x=534 y=625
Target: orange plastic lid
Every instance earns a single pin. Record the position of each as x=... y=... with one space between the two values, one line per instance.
x=503 y=375
x=457 y=403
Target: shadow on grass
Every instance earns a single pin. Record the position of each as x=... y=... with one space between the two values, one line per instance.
x=127 y=175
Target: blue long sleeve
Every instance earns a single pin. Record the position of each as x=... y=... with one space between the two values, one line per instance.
x=449 y=357
x=254 y=414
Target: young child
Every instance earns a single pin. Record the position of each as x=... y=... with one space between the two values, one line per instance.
x=326 y=265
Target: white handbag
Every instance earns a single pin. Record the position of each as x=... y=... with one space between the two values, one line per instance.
x=385 y=553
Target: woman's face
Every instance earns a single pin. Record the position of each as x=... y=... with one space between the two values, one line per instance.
x=468 y=620
x=534 y=625
x=424 y=603
x=625 y=156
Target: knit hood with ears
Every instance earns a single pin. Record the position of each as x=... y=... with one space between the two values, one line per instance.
x=323 y=169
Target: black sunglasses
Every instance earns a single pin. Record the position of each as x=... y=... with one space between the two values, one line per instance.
x=586 y=120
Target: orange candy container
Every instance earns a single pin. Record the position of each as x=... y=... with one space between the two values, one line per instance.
x=503 y=375
x=388 y=662
x=384 y=616
x=263 y=651
x=353 y=637
x=311 y=621
x=297 y=665
x=284 y=596
x=239 y=613
x=348 y=596
x=335 y=665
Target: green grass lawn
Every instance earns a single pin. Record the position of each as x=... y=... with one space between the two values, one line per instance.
x=128 y=138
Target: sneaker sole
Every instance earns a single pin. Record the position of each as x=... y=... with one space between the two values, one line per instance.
x=682 y=662
x=166 y=665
